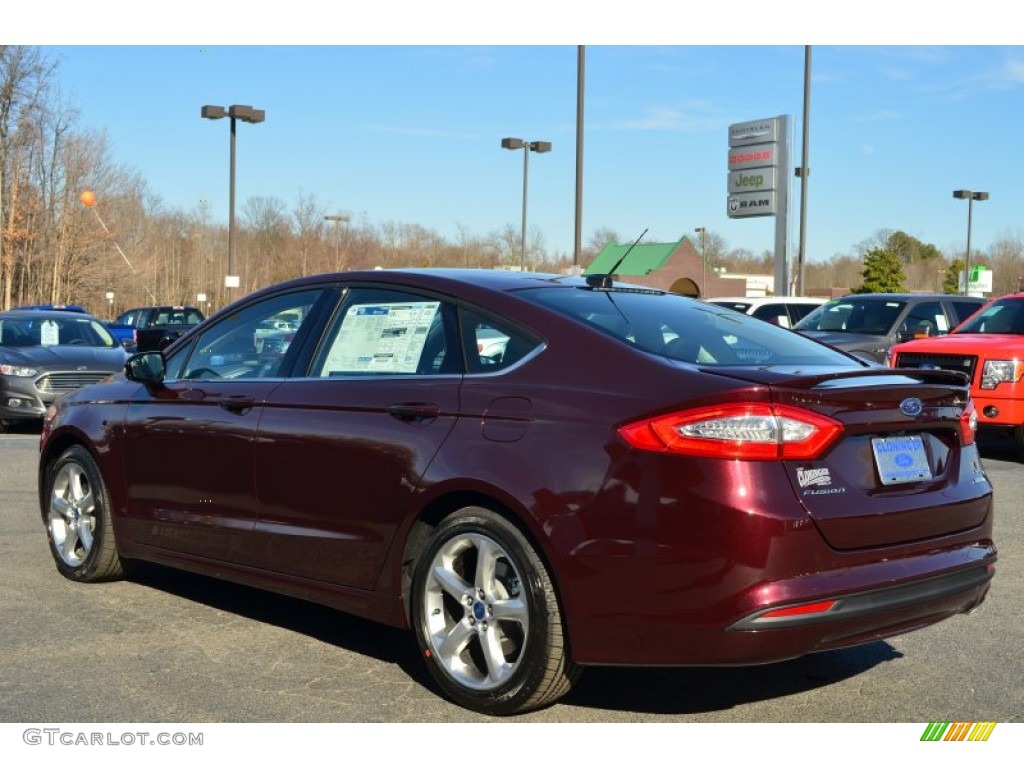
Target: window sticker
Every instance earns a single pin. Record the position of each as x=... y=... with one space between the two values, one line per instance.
x=381 y=338
x=49 y=334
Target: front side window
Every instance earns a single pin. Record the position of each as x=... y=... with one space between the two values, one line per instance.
x=246 y=344
x=924 y=320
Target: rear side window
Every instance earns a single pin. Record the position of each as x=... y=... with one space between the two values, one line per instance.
x=492 y=345
x=383 y=332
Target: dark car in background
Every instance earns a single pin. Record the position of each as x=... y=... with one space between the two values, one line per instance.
x=46 y=353
x=627 y=477
x=145 y=328
x=868 y=324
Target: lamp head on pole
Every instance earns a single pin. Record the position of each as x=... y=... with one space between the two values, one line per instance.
x=212 y=112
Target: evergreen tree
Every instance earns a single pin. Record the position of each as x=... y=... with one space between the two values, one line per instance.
x=883 y=273
x=952 y=282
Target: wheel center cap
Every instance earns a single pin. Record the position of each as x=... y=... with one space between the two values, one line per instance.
x=479 y=611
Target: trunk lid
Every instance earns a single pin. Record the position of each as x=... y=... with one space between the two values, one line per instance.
x=899 y=472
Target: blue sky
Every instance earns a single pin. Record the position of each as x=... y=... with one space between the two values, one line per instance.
x=388 y=121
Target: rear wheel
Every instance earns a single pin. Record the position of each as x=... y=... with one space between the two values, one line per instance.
x=78 y=523
x=486 y=616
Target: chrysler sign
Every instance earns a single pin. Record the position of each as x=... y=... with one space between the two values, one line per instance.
x=754 y=132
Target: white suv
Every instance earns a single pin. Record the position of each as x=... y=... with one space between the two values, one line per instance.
x=778 y=310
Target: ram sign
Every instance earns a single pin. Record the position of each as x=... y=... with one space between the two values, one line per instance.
x=752 y=204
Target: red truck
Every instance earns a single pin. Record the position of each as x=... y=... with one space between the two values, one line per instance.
x=989 y=348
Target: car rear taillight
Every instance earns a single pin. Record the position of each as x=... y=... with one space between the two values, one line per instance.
x=968 y=424
x=757 y=431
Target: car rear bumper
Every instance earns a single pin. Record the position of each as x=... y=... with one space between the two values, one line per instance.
x=872 y=601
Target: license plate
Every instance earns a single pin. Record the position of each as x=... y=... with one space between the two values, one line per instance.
x=901 y=459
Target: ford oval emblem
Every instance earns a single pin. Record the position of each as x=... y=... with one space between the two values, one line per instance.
x=911 y=406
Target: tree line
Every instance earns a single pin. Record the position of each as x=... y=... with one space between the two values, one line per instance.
x=55 y=248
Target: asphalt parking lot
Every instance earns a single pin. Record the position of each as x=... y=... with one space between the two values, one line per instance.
x=171 y=647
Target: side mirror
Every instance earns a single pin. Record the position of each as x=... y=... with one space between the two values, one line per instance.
x=145 y=367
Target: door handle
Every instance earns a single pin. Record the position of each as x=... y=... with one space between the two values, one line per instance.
x=415 y=413
x=237 y=403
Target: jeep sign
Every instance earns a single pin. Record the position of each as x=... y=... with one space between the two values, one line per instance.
x=755 y=180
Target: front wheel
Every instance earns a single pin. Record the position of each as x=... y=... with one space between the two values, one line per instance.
x=487 y=618
x=1018 y=441
x=78 y=523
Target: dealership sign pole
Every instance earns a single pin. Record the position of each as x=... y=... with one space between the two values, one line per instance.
x=759 y=182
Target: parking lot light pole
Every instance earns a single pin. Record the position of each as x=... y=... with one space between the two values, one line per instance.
x=527 y=147
x=703 y=258
x=338 y=220
x=970 y=197
x=246 y=114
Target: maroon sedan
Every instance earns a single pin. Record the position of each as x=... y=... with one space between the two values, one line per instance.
x=535 y=473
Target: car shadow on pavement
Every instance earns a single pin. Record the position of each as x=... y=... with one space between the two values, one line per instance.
x=695 y=690
x=643 y=690
x=362 y=636
x=998 y=445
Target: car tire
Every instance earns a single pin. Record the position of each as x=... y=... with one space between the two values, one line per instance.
x=487 y=618
x=78 y=524
x=1018 y=441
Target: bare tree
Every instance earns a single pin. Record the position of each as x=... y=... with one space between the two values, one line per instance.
x=25 y=74
x=308 y=218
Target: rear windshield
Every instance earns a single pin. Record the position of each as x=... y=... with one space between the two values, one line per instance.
x=854 y=315
x=684 y=329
